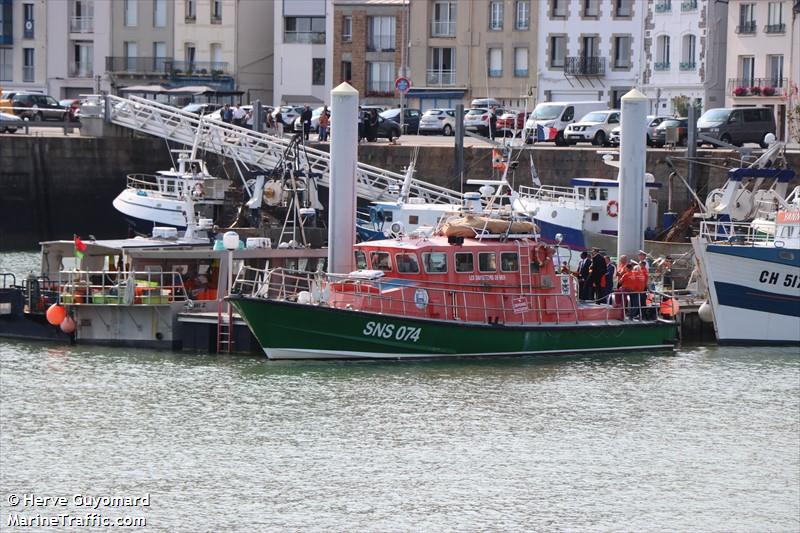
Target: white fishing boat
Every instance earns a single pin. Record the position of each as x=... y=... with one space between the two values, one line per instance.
x=160 y=199
x=752 y=276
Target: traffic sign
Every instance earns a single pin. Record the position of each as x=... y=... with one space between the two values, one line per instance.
x=402 y=84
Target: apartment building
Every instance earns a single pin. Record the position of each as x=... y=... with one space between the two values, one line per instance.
x=368 y=37
x=464 y=50
x=225 y=44
x=762 y=63
x=303 y=51
x=142 y=35
x=78 y=42
x=23 y=45
x=591 y=49
x=684 y=55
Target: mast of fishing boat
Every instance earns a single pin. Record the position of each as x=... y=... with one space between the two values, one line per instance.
x=630 y=238
x=344 y=158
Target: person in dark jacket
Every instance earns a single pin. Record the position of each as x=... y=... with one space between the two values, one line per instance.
x=584 y=266
x=373 y=126
x=611 y=271
x=227 y=114
x=305 y=117
x=598 y=272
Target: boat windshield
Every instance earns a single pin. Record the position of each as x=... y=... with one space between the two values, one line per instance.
x=548 y=111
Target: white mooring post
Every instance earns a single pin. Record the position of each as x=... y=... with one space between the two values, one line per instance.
x=631 y=178
x=342 y=197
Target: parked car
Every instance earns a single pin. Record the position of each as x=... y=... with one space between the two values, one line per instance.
x=652 y=123
x=387 y=129
x=482 y=120
x=315 y=114
x=9 y=123
x=488 y=103
x=73 y=106
x=201 y=109
x=38 y=107
x=594 y=127
x=510 y=122
x=438 y=121
x=411 y=118
x=737 y=125
x=288 y=113
x=556 y=116
x=660 y=135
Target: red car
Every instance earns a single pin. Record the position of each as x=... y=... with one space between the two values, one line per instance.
x=511 y=121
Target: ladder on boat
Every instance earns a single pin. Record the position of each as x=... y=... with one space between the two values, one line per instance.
x=225 y=328
x=257 y=149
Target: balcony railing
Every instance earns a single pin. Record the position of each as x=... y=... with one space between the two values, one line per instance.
x=663 y=6
x=380 y=88
x=775 y=28
x=689 y=5
x=196 y=68
x=746 y=27
x=443 y=28
x=138 y=65
x=495 y=72
x=757 y=86
x=28 y=74
x=81 y=24
x=521 y=72
x=308 y=37
x=585 y=66
x=441 y=77
x=80 y=70
x=688 y=65
x=661 y=66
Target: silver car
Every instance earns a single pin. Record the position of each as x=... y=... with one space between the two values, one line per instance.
x=438 y=121
x=653 y=122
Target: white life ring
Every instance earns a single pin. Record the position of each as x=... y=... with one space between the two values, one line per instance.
x=612 y=208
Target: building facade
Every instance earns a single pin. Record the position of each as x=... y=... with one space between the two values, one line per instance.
x=23 y=45
x=142 y=42
x=763 y=48
x=303 y=30
x=591 y=49
x=684 y=55
x=459 y=51
x=368 y=37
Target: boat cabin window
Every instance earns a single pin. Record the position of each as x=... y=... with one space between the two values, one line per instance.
x=603 y=193
x=487 y=262
x=388 y=216
x=361 y=260
x=406 y=263
x=381 y=261
x=509 y=262
x=435 y=262
x=464 y=262
x=582 y=192
x=413 y=219
x=592 y=193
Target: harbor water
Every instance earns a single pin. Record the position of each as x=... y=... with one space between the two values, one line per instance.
x=705 y=438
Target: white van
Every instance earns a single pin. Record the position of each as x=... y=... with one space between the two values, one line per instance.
x=557 y=116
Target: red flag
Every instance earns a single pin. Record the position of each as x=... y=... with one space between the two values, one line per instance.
x=80 y=247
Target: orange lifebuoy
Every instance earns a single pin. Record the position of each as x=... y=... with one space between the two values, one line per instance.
x=612 y=208
x=542 y=254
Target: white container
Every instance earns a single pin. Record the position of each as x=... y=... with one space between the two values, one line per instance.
x=258 y=242
x=165 y=232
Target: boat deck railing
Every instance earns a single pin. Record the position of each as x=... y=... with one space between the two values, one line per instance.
x=208 y=189
x=550 y=193
x=441 y=300
x=84 y=287
x=735 y=233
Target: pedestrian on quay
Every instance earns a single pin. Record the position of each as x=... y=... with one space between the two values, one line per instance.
x=598 y=273
x=584 y=267
x=269 y=122
x=305 y=117
x=372 y=134
x=227 y=113
x=611 y=271
x=238 y=115
x=324 y=121
x=279 y=122
x=644 y=264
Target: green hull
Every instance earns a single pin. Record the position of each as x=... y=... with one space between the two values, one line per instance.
x=289 y=330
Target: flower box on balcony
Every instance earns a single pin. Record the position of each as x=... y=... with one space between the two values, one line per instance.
x=768 y=91
x=740 y=91
x=755 y=91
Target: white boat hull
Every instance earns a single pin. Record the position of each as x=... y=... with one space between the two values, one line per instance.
x=161 y=211
x=754 y=292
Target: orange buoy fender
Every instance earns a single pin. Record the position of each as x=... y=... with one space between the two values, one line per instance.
x=68 y=325
x=55 y=314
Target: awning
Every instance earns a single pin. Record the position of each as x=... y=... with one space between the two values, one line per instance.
x=152 y=89
x=428 y=92
x=300 y=99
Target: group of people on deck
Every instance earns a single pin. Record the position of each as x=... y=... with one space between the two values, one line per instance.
x=598 y=277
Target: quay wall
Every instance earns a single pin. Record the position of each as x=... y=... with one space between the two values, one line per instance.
x=53 y=187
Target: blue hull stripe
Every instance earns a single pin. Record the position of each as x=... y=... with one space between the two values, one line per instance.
x=780 y=256
x=573 y=238
x=743 y=297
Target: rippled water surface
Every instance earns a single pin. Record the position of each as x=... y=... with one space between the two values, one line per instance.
x=705 y=439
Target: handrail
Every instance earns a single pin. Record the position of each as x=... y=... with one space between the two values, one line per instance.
x=104 y=287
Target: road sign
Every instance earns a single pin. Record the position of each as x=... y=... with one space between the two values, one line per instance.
x=402 y=84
